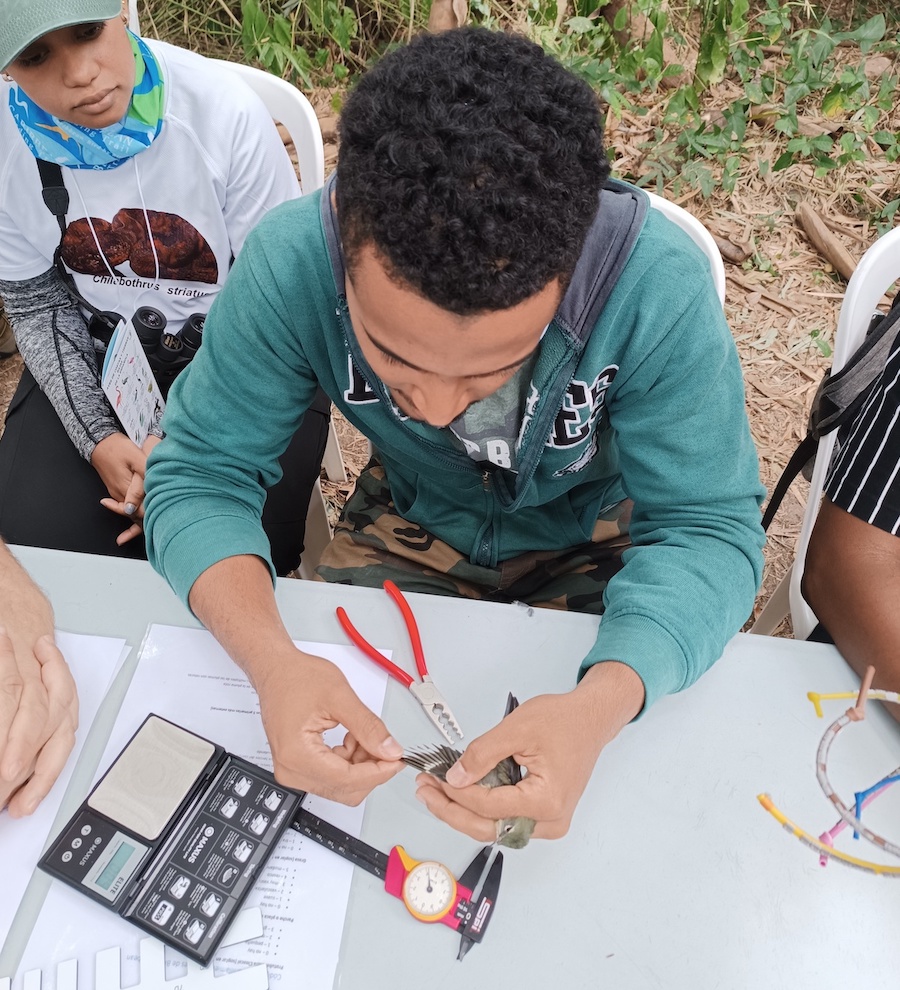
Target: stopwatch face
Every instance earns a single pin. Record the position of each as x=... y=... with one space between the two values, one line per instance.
x=429 y=891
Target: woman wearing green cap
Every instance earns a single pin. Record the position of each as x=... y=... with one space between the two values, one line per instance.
x=167 y=161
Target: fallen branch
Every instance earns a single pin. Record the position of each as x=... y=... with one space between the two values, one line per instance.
x=824 y=241
x=770 y=301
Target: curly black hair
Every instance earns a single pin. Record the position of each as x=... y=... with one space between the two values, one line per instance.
x=472 y=161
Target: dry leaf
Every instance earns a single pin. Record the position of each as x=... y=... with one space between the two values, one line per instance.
x=877 y=66
x=447 y=14
x=814 y=126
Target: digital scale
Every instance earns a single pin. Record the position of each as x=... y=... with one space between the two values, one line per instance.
x=173 y=836
x=177 y=830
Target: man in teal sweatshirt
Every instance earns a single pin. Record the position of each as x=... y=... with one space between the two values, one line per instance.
x=545 y=372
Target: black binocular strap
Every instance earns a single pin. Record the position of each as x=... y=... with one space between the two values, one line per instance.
x=56 y=196
x=56 y=199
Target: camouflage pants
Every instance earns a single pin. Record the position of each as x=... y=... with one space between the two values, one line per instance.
x=372 y=543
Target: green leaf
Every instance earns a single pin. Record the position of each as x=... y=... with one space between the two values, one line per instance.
x=754 y=92
x=869 y=33
x=788 y=123
x=825 y=164
x=833 y=102
x=580 y=25
x=621 y=19
x=738 y=23
x=712 y=58
x=773 y=25
x=253 y=24
x=654 y=48
x=783 y=161
x=870 y=116
x=315 y=11
x=822 y=46
x=821 y=343
x=281 y=31
x=796 y=92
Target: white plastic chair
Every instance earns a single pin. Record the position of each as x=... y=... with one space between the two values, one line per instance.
x=290 y=107
x=698 y=234
x=878 y=269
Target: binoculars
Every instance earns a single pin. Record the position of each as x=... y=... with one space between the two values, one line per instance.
x=167 y=353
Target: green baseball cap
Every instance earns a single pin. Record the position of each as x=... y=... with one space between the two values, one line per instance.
x=24 y=21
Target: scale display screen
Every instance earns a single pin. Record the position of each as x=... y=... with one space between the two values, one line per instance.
x=115 y=866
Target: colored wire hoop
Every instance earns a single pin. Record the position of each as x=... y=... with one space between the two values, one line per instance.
x=846 y=815
x=831 y=733
x=810 y=840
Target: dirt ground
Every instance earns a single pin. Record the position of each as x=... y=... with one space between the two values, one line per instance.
x=781 y=302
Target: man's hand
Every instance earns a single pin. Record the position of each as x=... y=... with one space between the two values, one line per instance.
x=117 y=461
x=38 y=718
x=557 y=737
x=301 y=696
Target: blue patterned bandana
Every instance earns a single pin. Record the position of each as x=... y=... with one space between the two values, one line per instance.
x=55 y=140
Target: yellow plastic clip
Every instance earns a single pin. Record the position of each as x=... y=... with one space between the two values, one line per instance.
x=817 y=699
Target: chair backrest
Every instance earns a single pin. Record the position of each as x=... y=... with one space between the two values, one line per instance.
x=698 y=234
x=878 y=269
x=290 y=107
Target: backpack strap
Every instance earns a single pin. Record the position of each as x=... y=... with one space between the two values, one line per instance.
x=801 y=456
x=839 y=397
x=610 y=240
x=332 y=235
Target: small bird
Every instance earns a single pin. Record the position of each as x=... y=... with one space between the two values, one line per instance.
x=513 y=833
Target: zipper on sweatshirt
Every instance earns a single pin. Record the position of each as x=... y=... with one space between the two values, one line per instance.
x=484 y=555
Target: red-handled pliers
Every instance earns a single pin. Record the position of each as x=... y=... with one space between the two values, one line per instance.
x=425 y=693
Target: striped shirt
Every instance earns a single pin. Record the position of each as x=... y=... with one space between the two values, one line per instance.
x=864 y=476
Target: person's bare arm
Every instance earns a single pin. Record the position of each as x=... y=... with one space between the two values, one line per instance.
x=38 y=700
x=851 y=580
x=300 y=695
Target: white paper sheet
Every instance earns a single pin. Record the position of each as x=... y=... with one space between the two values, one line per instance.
x=93 y=661
x=185 y=676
